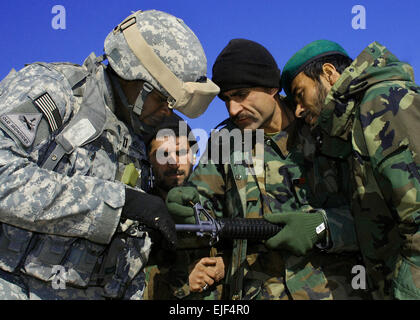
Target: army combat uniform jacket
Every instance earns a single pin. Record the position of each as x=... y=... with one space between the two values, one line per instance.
x=372 y=114
x=62 y=154
x=231 y=190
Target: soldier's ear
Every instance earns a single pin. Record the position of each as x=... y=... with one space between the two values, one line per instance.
x=274 y=91
x=330 y=73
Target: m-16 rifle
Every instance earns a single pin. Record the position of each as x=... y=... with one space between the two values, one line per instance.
x=228 y=228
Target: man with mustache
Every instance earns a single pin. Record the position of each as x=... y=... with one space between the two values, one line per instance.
x=171 y=154
x=172 y=150
x=365 y=112
x=249 y=80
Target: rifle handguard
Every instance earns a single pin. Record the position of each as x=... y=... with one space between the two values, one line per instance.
x=229 y=228
x=251 y=229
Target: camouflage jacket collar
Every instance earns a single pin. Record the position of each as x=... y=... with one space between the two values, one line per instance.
x=286 y=140
x=374 y=65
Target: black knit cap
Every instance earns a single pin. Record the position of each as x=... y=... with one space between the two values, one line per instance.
x=245 y=64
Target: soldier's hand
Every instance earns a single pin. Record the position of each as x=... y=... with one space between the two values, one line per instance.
x=151 y=211
x=179 y=205
x=205 y=273
x=301 y=231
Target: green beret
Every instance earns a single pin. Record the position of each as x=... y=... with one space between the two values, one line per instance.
x=306 y=55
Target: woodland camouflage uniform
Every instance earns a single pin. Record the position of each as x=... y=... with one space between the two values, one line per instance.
x=372 y=113
x=253 y=271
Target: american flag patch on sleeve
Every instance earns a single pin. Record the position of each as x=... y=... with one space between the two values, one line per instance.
x=48 y=107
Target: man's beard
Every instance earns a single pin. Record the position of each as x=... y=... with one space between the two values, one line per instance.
x=164 y=185
x=322 y=95
x=318 y=104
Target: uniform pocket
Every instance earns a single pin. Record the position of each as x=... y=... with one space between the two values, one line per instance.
x=81 y=261
x=49 y=251
x=13 y=245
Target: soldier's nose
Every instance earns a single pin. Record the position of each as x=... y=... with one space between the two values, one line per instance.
x=299 y=111
x=234 y=108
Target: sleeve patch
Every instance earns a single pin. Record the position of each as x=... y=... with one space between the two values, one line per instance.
x=48 y=107
x=23 y=125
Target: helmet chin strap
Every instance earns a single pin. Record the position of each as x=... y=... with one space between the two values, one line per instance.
x=136 y=109
x=138 y=126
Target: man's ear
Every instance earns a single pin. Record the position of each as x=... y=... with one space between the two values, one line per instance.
x=330 y=73
x=274 y=91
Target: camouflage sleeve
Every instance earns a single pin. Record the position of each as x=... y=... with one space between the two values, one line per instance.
x=40 y=200
x=43 y=201
x=389 y=116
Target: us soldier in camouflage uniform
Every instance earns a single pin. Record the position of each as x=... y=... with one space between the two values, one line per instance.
x=74 y=166
x=249 y=80
x=366 y=112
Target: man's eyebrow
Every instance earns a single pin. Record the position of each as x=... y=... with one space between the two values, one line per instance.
x=241 y=91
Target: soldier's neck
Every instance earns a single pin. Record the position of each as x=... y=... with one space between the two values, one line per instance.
x=280 y=119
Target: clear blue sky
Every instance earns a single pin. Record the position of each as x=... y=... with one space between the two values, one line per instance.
x=282 y=26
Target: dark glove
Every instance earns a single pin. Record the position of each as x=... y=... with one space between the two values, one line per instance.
x=179 y=202
x=301 y=231
x=151 y=211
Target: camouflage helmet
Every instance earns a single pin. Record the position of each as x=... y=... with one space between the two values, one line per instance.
x=170 y=38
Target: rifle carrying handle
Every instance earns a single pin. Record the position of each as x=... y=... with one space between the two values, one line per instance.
x=251 y=229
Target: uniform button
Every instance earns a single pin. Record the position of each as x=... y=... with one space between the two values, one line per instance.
x=268 y=142
x=54 y=157
x=238 y=177
x=351 y=69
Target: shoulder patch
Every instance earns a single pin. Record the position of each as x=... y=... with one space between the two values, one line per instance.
x=48 y=107
x=23 y=125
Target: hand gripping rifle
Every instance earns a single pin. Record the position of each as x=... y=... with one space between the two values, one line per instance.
x=228 y=228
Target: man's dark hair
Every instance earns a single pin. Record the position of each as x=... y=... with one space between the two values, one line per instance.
x=172 y=122
x=314 y=69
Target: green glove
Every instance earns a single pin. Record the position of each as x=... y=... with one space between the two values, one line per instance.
x=179 y=204
x=301 y=231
